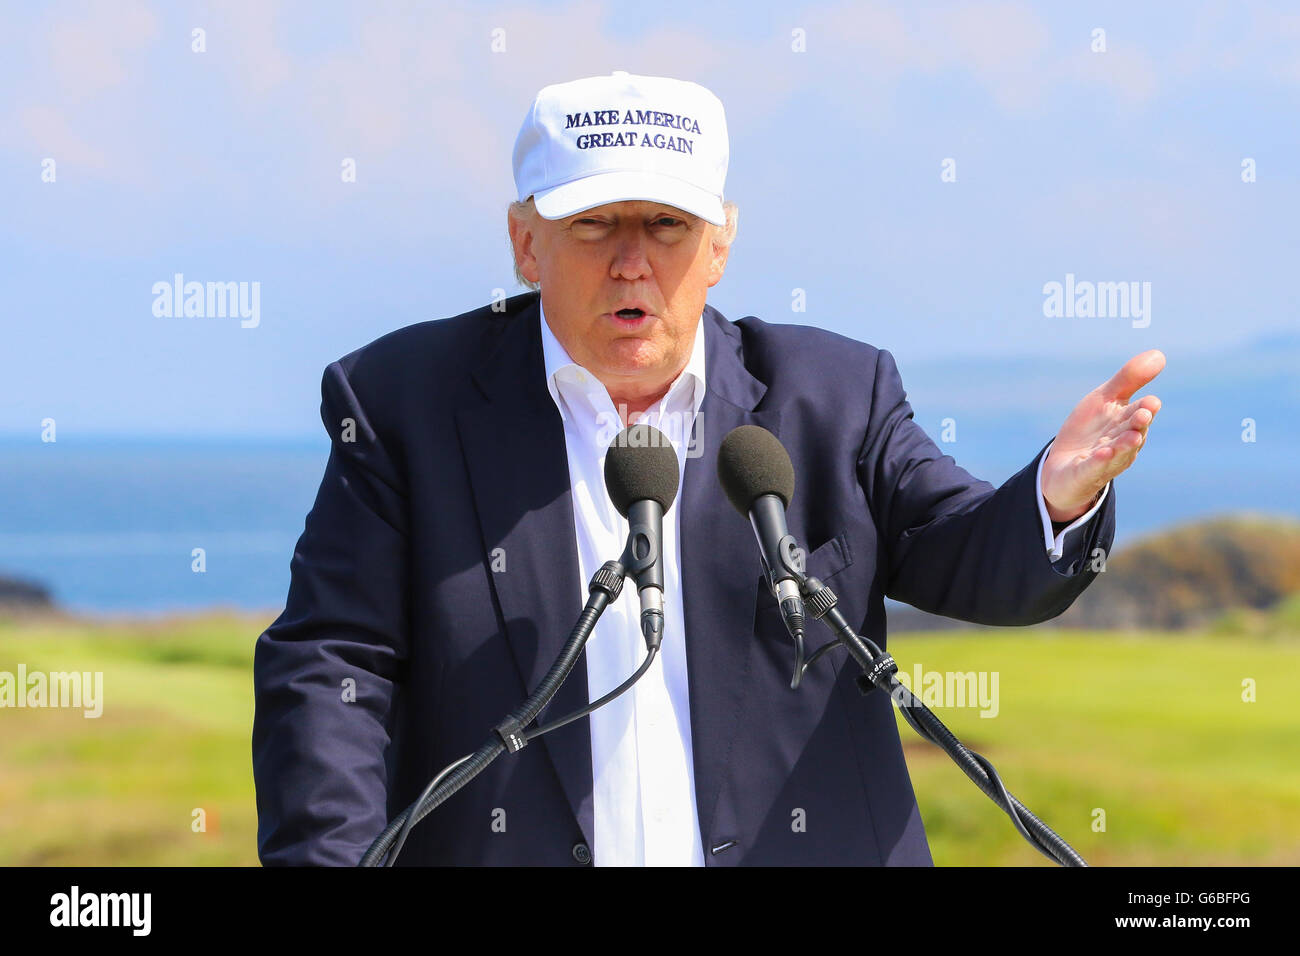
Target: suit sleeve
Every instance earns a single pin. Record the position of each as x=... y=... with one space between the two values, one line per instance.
x=326 y=671
x=954 y=545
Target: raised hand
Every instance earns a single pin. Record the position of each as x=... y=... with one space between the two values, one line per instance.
x=1101 y=438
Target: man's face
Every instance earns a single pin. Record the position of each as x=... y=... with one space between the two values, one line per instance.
x=623 y=255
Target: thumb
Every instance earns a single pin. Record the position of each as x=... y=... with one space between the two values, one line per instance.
x=1136 y=372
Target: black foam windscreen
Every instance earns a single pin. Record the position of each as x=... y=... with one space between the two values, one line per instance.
x=753 y=462
x=641 y=465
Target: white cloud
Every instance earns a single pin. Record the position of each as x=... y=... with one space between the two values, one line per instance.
x=92 y=54
x=52 y=136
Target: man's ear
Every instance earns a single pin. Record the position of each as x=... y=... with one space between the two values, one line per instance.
x=718 y=265
x=521 y=240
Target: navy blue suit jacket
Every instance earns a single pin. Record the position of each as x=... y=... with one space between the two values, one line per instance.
x=447 y=446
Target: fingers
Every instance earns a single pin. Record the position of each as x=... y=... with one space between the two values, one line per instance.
x=1136 y=372
x=1149 y=402
x=1117 y=454
x=1138 y=416
x=1141 y=416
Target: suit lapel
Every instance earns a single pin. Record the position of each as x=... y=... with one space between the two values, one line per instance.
x=515 y=451
x=718 y=553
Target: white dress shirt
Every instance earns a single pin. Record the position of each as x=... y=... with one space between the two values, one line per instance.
x=1056 y=546
x=641 y=758
x=643 y=777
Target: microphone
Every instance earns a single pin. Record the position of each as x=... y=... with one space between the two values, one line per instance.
x=755 y=472
x=641 y=477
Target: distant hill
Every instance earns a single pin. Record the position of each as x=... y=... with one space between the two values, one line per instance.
x=1187 y=576
x=18 y=595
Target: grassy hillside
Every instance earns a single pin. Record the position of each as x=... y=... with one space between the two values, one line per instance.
x=174 y=736
x=1150 y=729
x=1186 y=576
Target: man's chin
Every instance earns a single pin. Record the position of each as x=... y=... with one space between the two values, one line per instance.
x=633 y=357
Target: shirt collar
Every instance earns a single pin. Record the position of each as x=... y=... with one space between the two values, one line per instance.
x=687 y=389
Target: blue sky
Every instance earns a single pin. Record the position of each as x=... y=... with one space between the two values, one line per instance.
x=1123 y=165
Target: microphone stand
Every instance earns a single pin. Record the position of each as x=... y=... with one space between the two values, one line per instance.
x=878 y=670
x=606 y=585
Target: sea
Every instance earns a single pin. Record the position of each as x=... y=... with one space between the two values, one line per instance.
x=111 y=526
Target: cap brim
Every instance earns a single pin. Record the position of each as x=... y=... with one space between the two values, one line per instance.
x=622 y=186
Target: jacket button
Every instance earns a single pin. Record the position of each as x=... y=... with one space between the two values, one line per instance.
x=581 y=853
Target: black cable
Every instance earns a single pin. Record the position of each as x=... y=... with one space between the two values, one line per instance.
x=530 y=736
x=557 y=724
x=879 y=669
x=800 y=668
x=982 y=774
x=828 y=646
x=406 y=827
x=409 y=819
x=606 y=584
x=406 y=814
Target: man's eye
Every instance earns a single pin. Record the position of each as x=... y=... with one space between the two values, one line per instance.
x=670 y=219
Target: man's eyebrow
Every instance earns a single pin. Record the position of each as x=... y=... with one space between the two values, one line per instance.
x=686 y=217
x=658 y=214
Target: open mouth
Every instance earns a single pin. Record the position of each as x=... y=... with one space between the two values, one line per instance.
x=630 y=314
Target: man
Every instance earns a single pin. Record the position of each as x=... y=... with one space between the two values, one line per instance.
x=463 y=511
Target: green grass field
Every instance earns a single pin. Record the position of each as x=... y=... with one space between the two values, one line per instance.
x=1151 y=729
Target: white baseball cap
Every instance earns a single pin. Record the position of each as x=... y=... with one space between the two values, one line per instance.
x=613 y=138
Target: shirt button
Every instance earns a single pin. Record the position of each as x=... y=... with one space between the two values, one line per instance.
x=581 y=853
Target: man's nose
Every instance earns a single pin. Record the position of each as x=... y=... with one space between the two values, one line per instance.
x=630 y=259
